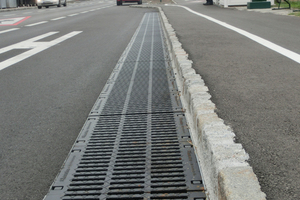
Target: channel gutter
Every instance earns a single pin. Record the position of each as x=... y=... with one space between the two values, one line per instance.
x=223 y=162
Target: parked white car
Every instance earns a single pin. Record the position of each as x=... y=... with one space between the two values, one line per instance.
x=47 y=3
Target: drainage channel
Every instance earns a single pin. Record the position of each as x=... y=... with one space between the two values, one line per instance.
x=135 y=144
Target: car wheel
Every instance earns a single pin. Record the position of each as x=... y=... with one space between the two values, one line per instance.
x=59 y=4
x=140 y=2
x=46 y=6
x=65 y=4
x=39 y=7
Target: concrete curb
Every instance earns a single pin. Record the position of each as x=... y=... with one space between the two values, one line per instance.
x=226 y=172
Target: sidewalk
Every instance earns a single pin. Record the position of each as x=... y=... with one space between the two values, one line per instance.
x=267 y=10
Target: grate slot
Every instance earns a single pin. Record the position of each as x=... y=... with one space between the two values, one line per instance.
x=133 y=183
x=127 y=177
x=92 y=166
x=127 y=187
x=131 y=157
x=131 y=192
x=162 y=155
x=84 y=174
x=168 y=191
x=167 y=176
x=96 y=156
x=91 y=170
x=86 y=180
x=83 y=188
x=177 y=197
x=83 y=193
x=129 y=173
x=135 y=153
x=93 y=162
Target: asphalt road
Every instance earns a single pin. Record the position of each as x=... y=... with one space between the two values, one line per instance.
x=46 y=98
x=256 y=90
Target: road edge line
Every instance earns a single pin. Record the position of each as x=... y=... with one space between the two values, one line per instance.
x=223 y=163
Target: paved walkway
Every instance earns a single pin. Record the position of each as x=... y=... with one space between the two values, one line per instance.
x=267 y=10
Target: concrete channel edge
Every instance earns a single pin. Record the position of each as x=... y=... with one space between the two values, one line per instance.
x=227 y=174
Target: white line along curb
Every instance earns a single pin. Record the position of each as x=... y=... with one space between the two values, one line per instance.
x=223 y=163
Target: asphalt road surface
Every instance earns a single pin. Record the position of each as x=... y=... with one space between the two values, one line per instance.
x=47 y=95
x=256 y=90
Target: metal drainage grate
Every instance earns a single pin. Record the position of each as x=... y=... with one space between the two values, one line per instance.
x=135 y=144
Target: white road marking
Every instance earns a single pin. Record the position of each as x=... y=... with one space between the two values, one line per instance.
x=84 y=12
x=38 y=23
x=33 y=47
x=8 y=30
x=73 y=15
x=283 y=51
x=12 y=21
x=103 y=7
x=57 y=18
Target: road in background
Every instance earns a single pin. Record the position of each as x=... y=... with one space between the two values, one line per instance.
x=46 y=98
x=256 y=90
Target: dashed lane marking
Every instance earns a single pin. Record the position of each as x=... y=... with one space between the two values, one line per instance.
x=9 y=30
x=38 y=23
x=58 y=18
x=73 y=14
x=16 y=21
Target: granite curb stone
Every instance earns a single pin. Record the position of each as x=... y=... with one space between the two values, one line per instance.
x=226 y=172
